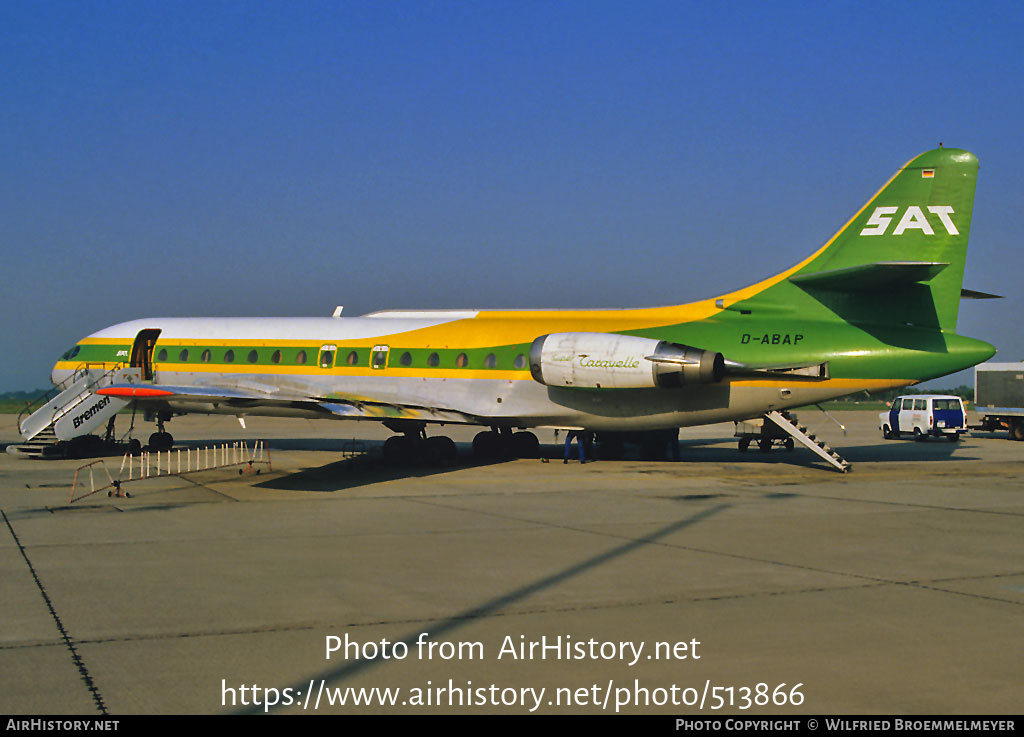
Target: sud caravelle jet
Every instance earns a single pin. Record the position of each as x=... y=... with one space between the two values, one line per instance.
x=873 y=308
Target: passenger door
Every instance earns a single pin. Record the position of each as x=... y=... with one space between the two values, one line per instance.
x=326 y=359
x=142 y=352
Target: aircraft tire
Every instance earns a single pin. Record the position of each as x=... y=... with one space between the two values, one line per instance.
x=525 y=445
x=397 y=450
x=611 y=449
x=487 y=445
x=161 y=441
x=430 y=452
x=439 y=450
x=451 y=453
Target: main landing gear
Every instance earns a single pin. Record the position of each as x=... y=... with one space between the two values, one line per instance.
x=497 y=443
x=414 y=447
x=410 y=449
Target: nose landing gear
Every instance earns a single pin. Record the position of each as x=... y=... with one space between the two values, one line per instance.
x=161 y=439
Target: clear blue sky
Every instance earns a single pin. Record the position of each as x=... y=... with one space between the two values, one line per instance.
x=251 y=158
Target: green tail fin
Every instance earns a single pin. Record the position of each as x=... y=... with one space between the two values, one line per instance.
x=900 y=259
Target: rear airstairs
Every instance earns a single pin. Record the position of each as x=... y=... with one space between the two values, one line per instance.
x=799 y=434
x=72 y=410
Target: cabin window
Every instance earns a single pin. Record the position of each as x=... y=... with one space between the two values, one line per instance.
x=433 y=359
x=491 y=361
x=183 y=356
x=520 y=362
x=275 y=357
x=229 y=356
x=406 y=359
x=162 y=355
x=379 y=359
x=461 y=360
x=300 y=357
x=206 y=356
x=253 y=356
x=352 y=359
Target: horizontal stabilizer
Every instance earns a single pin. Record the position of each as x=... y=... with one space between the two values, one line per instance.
x=971 y=294
x=814 y=371
x=871 y=277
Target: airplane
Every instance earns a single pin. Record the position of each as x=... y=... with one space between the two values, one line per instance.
x=873 y=308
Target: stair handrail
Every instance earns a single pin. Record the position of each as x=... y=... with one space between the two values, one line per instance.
x=79 y=371
x=46 y=396
x=105 y=375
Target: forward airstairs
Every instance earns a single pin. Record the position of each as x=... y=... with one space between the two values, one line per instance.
x=39 y=445
x=800 y=434
x=71 y=410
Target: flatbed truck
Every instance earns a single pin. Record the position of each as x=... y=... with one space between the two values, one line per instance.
x=999 y=398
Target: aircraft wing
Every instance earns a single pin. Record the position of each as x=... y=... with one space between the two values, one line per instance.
x=252 y=394
x=199 y=393
x=384 y=411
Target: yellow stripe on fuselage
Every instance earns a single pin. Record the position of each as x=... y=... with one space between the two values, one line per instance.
x=849 y=385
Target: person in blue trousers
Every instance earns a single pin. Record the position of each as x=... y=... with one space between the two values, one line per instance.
x=578 y=436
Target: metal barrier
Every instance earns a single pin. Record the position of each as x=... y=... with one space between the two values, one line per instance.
x=153 y=464
x=352 y=449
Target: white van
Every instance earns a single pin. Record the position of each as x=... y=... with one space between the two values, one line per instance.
x=921 y=415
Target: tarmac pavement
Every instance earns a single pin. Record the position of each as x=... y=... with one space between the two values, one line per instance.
x=726 y=579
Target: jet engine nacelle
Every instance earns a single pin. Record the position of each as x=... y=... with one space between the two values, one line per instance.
x=609 y=361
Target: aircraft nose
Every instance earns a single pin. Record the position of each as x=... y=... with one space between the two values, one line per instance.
x=57 y=375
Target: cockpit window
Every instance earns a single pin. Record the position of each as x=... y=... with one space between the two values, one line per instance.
x=69 y=354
